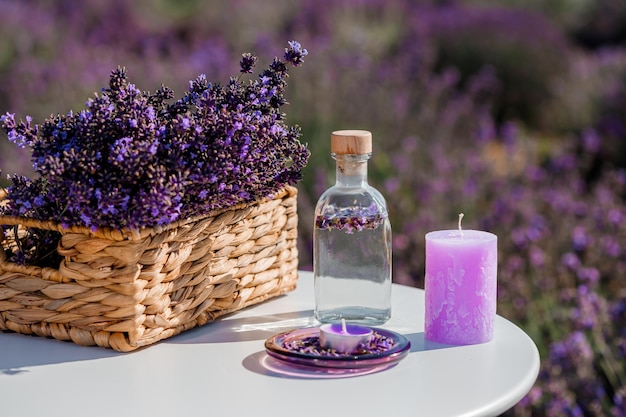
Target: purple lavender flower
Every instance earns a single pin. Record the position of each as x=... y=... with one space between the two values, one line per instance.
x=295 y=53
x=247 y=63
x=619 y=399
x=131 y=159
x=36 y=246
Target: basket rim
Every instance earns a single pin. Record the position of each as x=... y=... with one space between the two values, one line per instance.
x=135 y=234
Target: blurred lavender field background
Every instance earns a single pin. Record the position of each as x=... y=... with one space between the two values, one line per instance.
x=510 y=111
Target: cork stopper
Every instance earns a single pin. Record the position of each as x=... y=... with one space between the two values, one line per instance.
x=351 y=142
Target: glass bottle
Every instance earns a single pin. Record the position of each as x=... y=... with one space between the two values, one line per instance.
x=352 y=239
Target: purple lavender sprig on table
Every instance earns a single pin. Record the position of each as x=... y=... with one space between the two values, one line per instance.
x=132 y=159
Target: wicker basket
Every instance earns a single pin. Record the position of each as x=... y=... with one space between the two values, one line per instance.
x=125 y=290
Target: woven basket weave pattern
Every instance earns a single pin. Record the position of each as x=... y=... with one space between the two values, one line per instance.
x=124 y=290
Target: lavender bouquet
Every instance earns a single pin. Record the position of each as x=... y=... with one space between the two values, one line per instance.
x=134 y=159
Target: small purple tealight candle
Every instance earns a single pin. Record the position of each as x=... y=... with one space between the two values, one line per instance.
x=460 y=286
x=344 y=338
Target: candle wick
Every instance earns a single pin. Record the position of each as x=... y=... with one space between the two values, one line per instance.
x=461 y=218
x=344 y=329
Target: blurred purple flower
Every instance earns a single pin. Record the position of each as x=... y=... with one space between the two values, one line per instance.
x=571 y=261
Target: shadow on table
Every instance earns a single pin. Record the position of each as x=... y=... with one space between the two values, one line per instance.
x=419 y=343
x=244 y=329
x=18 y=351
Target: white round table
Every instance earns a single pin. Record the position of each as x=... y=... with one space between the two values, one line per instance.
x=222 y=369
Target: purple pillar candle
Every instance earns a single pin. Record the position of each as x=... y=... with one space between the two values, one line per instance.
x=460 y=286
